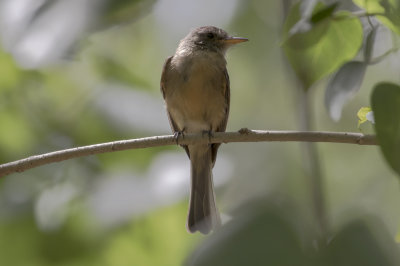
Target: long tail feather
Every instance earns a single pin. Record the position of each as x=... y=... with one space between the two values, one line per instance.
x=203 y=213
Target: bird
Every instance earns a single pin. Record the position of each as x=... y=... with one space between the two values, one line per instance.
x=196 y=90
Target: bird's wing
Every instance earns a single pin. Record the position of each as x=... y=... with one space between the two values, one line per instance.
x=222 y=126
x=163 y=87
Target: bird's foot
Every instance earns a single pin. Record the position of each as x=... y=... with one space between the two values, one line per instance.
x=244 y=131
x=209 y=133
x=177 y=134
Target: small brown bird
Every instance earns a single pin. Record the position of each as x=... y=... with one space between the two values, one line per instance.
x=195 y=87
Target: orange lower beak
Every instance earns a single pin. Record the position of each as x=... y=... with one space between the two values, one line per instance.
x=235 y=40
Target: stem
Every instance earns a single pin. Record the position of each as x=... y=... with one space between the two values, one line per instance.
x=380 y=58
x=362 y=13
x=313 y=168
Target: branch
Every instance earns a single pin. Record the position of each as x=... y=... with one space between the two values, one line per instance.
x=243 y=135
x=379 y=59
x=362 y=13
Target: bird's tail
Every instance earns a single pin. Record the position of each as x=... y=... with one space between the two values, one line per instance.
x=203 y=213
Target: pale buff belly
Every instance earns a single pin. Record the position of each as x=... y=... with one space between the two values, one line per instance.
x=198 y=104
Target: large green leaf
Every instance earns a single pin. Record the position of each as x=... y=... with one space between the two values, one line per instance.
x=329 y=43
x=311 y=12
x=389 y=10
x=260 y=238
x=386 y=106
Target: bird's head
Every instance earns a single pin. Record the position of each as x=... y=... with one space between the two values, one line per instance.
x=210 y=38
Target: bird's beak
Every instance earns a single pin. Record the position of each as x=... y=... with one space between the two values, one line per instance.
x=234 y=40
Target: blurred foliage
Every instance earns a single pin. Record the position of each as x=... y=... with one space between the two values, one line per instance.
x=98 y=81
x=258 y=236
x=121 y=11
x=385 y=101
x=264 y=235
x=343 y=86
x=361 y=236
x=388 y=11
x=313 y=54
x=80 y=243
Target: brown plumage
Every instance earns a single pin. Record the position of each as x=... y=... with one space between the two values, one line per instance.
x=195 y=87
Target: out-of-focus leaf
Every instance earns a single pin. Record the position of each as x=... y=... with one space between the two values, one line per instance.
x=10 y=74
x=166 y=242
x=43 y=32
x=307 y=7
x=314 y=54
x=385 y=103
x=362 y=243
x=365 y=114
x=369 y=5
x=343 y=86
x=304 y=24
x=390 y=10
x=324 y=13
x=298 y=33
x=262 y=238
x=15 y=134
x=369 y=45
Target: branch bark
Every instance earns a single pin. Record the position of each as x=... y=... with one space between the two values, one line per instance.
x=243 y=135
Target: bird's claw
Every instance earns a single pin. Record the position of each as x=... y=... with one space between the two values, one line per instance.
x=209 y=133
x=244 y=131
x=177 y=134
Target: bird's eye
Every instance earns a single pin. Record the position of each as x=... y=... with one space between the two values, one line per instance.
x=210 y=35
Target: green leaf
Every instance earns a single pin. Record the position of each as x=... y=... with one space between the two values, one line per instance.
x=16 y=136
x=362 y=242
x=343 y=86
x=307 y=7
x=314 y=54
x=261 y=238
x=390 y=10
x=324 y=13
x=371 y=6
x=10 y=74
x=386 y=106
x=311 y=12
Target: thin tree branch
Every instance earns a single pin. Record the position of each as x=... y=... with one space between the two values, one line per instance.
x=380 y=58
x=362 y=13
x=243 y=135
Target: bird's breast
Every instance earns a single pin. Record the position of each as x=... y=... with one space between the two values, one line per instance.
x=197 y=101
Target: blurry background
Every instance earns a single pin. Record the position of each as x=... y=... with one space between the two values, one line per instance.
x=79 y=72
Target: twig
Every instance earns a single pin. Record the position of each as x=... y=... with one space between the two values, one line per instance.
x=362 y=13
x=380 y=58
x=243 y=135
